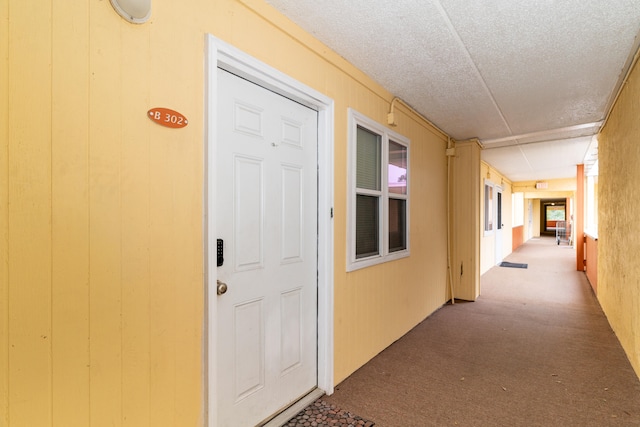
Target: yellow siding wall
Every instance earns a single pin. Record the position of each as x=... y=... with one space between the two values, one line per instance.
x=618 y=222
x=101 y=243
x=4 y=213
x=101 y=258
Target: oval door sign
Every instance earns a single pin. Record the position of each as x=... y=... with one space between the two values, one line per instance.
x=167 y=117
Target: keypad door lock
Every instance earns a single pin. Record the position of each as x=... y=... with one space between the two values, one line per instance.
x=220 y=254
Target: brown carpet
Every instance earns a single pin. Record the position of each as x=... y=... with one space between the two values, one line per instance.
x=534 y=350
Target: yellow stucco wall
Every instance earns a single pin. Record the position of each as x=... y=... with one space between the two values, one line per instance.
x=618 y=219
x=101 y=211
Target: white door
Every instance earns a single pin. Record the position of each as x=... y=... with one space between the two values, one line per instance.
x=266 y=207
x=530 y=221
x=499 y=224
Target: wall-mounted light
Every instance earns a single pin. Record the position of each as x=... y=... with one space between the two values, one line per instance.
x=135 y=11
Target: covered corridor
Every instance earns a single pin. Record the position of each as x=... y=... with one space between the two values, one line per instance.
x=535 y=349
x=114 y=231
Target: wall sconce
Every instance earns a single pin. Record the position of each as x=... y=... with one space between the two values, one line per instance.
x=134 y=11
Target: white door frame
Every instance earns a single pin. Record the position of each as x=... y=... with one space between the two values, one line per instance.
x=220 y=54
x=497 y=212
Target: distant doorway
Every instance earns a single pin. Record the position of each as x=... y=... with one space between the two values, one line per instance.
x=553 y=210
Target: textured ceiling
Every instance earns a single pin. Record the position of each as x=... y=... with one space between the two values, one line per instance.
x=532 y=79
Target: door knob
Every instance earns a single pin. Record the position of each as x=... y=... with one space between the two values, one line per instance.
x=221 y=288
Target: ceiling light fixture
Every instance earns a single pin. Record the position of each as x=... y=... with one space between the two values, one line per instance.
x=134 y=11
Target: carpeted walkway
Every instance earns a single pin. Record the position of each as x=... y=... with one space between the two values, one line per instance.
x=534 y=350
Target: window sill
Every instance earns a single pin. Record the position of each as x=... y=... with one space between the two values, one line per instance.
x=376 y=260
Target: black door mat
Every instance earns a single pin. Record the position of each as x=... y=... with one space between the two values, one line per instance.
x=513 y=264
x=322 y=414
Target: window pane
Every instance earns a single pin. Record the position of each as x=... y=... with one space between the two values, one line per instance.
x=499 y=210
x=397 y=172
x=555 y=213
x=368 y=160
x=366 y=226
x=488 y=207
x=397 y=225
x=517 y=203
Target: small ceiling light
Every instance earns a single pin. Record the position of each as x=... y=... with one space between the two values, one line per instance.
x=134 y=11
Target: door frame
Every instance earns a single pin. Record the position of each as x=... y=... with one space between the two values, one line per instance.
x=497 y=209
x=220 y=54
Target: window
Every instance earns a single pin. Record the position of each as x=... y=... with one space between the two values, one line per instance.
x=488 y=208
x=517 y=213
x=498 y=209
x=555 y=213
x=378 y=193
x=591 y=211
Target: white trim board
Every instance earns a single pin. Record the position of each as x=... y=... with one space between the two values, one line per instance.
x=220 y=54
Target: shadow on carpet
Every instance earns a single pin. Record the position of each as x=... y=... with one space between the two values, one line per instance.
x=322 y=414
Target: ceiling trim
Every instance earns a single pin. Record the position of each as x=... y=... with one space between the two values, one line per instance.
x=544 y=133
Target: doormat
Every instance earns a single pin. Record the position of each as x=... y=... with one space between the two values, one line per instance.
x=322 y=414
x=513 y=264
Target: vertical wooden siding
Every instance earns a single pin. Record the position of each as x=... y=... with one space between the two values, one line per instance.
x=29 y=217
x=4 y=212
x=70 y=303
x=100 y=229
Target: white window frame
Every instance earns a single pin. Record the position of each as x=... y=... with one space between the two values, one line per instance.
x=517 y=209
x=357 y=119
x=489 y=208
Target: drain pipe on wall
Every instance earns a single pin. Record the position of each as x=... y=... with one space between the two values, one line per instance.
x=450 y=152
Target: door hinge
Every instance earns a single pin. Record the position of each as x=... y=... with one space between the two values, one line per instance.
x=331 y=212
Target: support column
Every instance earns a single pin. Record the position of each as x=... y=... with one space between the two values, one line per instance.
x=465 y=215
x=579 y=218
